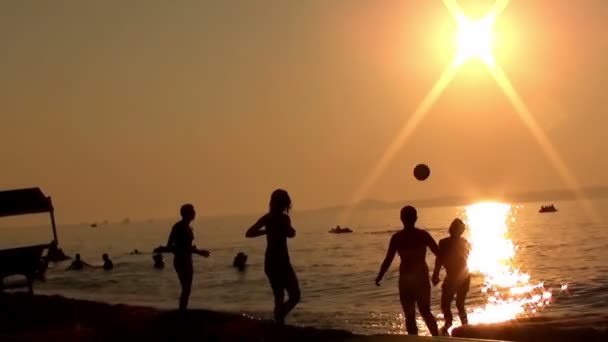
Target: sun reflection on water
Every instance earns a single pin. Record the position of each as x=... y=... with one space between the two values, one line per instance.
x=509 y=292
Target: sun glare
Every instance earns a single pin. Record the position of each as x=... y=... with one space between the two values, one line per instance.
x=508 y=291
x=475 y=39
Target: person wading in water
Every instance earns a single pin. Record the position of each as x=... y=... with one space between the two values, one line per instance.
x=180 y=244
x=453 y=255
x=276 y=225
x=414 y=285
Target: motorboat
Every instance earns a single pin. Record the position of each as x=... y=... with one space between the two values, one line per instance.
x=340 y=230
x=547 y=209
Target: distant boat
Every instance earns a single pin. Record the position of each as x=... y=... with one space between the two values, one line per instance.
x=339 y=230
x=93 y=225
x=547 y=209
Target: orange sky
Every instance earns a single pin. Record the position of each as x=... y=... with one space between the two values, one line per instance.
x=129 y=108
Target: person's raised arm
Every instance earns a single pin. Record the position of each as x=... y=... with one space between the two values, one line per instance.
x=256 y=230
x=390 y=255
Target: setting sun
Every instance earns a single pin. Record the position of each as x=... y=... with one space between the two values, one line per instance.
x=475 y=39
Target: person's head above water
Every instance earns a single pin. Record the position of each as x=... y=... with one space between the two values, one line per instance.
x=280 y=202
x=187 y=212
x=409 y=215
x=105 y=257
x=77 y=256
x=457 y=228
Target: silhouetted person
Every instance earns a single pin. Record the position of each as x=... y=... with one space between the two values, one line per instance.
x=180 y=243
x=54 y=253
x=240 y=261
x=134 y=252
x=158 y=261
x=414 y=286
x=453 y=255
x=107 y=263
x=276 y=225
x=77 y=264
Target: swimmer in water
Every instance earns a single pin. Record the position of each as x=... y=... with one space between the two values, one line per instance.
x=240 y=261
x=77 y=264
x=158 y=261
x=107 y=263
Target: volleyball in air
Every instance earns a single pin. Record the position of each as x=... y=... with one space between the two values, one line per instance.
x=422 y=172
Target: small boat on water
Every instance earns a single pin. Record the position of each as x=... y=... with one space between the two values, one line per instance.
x=340 y=230
x=547 y=209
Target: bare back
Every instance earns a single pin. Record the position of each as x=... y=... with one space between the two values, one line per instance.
x=411 y=244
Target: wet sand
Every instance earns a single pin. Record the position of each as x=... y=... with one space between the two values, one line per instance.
x=56 y=318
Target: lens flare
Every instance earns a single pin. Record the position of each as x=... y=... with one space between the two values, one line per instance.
x=475 y=39
x=508 y=291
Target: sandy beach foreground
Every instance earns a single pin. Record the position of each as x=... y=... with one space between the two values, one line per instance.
x=56 y=318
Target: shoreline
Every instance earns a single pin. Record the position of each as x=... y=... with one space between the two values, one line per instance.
x=53 y=317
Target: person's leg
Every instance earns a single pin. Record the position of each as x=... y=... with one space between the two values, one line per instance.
x=293 y=290
x=278 y=291
x=409 y=305
x=423 y=298
x=184 y=270
x=447 y=295
x=461 y=296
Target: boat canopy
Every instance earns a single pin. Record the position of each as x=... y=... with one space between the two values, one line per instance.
x=23 y=202
x=26 y=201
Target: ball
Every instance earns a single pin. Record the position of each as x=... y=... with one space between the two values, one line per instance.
x=422 y=172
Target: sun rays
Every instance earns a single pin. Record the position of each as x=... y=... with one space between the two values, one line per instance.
x=474 y=41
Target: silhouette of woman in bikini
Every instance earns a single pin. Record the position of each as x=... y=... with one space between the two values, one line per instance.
x=276 y=225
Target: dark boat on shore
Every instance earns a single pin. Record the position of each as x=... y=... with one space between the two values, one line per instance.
x=547 y=209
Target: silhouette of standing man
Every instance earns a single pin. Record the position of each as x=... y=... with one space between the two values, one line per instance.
x=453 y=255
x=180 y=243
x=276 y=225
x=414 y=285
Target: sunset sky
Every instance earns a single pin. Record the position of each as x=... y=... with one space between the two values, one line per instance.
x=130 y=108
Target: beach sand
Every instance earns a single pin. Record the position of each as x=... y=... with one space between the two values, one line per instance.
x=56 y=318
